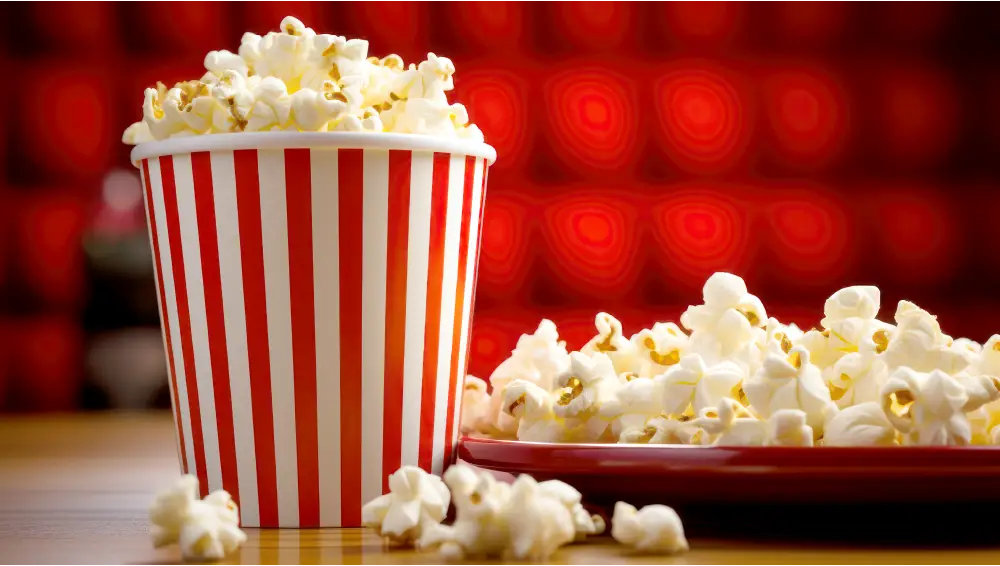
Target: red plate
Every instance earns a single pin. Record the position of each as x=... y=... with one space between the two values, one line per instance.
x=751 y=474
x=903 y=495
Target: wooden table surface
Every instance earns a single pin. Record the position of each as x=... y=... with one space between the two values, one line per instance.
x=77 y=489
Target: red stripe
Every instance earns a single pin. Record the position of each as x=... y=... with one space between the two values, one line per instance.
x=204 y=200
x=395 y=312
x=155 y=239
x=457 y=374
x=350 y=175
x=432 y=322
x=258 y=353
x=183 y=316
x=475 y=266
x=298 y=196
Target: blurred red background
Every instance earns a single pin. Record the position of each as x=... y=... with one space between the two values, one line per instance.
x=804 y=146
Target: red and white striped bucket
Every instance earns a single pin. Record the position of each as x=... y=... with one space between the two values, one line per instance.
x=315 y=292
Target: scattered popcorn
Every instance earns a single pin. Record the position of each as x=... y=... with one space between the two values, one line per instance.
x=416 y=500
x=654 y=529
x=741 y=378
x=524 y=521
x=297 y=80
x=205 y=529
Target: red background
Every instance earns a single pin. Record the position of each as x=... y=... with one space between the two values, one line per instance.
x=804 y=146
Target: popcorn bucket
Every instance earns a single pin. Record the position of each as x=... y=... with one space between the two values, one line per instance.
x=315 y=291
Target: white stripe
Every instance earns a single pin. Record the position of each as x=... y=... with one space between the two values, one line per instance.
x=159 y=309
x=231 y=276
x=470 y=272
x=274 y=234
x=453 y=227
x=326 y=298
x=171 y=295
x=188 y=222
x=418 y=244
x=375 y=234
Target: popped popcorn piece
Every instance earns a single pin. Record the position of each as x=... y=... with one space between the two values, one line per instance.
x=537 y=358
x=927 y=407
x=654 y=529
x=692 y=385
x=660 y=430
x=790 y=382
x=634 y=403
x=204 y=529
x=849 y=320
x=538 y=522
x=857 y=378
x=729 y=424
x=480 y=529
x=584 y=523
x=530 y=408
x=864 y=424
x=589 y=382
x=919 y=344
x=861 y=301
x=787 y=427
x=415 y=501
x=658 y=348
x=724 y=323
x=475 y=406
x=610 y=341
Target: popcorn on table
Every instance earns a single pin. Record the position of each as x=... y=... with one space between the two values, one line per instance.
x=416 y=501
x=654 y=529
x=205 y=529
x=732 y=375
x=297 y=80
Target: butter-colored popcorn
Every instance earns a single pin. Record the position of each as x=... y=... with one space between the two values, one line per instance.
x=589 y=382
x=480 y=529
x=475 y=406
x=538 y=522
x=860 y=301
x=137 y=133
x=204 y=529
x=218 y=62
x=787 y=427
x=691 y=385
x=729 y=424
x=611 y=341
x=919 y=344
x=537 y=358
x=584 y=523
x=849 y=320
x=724 y=324
x=415 y=501
x=790 y=382
x=658 y=348
x=988 y=362
x=635 y=401
x=864 y=424
x=332 y=57
x=778 y=338
x=272 y=106
x=530 y=408
x=928 y=408
x=654 y=529
x=857 y=378
x=660 y=430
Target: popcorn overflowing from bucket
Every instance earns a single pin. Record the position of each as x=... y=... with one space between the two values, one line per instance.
x=297 y=80
x=733 y=376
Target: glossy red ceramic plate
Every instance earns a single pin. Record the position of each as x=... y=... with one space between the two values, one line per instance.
x=679 y=475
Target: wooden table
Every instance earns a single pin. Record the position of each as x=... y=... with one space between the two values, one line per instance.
x=77 y=488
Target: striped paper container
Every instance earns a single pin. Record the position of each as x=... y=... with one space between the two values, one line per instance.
x=315 y=293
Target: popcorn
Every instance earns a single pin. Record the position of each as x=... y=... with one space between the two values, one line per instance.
x=864 y=424
x=729 y=424
x=480 y=529
x=415 y=501
x=611 y=342
x=537 y=358
x=204 y=529
x=584 y=523
x=475 y=406
x=790 y=382
x=298 y=80
x=724 y=323
x=654 y=529
x=787 y=427
x=741 y=379
x=927 y=407
x=539 y=523
x=530 y=408
x=693 y=386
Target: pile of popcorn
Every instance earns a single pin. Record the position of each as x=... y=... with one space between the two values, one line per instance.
x=734 y=377
x=525 y=520
x=297 y=80
x=205 y=529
